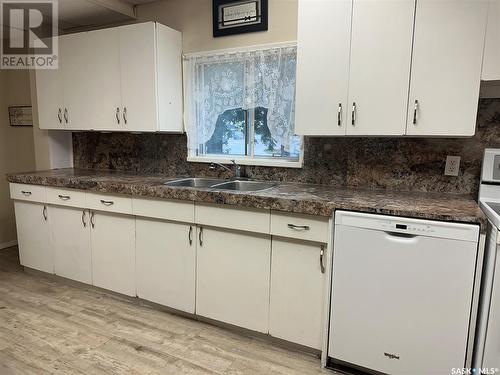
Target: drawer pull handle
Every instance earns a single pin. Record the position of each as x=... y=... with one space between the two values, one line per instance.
x=299 y=227
x=321 y=254
x=107 y=203
x=190 y=235
x=64 y=197
x=83 y=219
x=26 y=193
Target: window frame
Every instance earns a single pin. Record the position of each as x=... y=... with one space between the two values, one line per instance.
x=250 y=160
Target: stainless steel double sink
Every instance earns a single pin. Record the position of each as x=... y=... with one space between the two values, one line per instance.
x=215 y=184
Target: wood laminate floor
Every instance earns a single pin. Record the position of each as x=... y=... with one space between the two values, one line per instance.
x=50 y=327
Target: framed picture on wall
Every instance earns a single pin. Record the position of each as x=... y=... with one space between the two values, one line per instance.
x=20 y=115
x=239 y=16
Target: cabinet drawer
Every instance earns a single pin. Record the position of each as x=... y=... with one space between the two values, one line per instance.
x=109 y=203
x=66 y=197
x=303 y=227
x=31 y=193
x=164 y=209
x=247 y=219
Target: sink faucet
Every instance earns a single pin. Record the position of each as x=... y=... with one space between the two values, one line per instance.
x=237 y=168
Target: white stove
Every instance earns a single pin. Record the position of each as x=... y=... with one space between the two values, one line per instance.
x=487 y=353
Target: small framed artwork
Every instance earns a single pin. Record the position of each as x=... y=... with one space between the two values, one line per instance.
x=20 y=116
x=239 y=16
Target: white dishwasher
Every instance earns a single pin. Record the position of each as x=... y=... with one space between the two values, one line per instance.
x=402 y=292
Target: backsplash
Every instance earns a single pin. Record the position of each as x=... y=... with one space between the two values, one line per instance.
x=406 y=164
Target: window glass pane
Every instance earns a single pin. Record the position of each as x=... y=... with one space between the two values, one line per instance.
x=229 y=134
x=264 y=143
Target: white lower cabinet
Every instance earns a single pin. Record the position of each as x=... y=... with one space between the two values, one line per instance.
x=113 y=252
x=70 y=239
x=259 y=270
x=297 y=291
x=33 y=236
x=233 y=271
x=166 y=263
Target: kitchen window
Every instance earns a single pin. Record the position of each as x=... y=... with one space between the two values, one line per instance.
x=240 y=105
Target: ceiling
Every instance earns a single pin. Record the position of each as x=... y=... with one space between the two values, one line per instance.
x=81 y=14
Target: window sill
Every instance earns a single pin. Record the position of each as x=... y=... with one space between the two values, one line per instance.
x=246 y=161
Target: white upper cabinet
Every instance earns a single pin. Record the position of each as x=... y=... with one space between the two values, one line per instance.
x=446 y=67
x=491 y=63
x=91 y=79
x=390 y=57
x=126 y=78
x=380 y=66
x=49 y=83
x=324 y=34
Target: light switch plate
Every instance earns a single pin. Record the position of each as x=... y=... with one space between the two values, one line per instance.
x=452 y=166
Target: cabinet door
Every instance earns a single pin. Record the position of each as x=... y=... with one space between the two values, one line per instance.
x=49 y=93
x=491 y=63
x=297 y=292
x=33 y=236
x=113 y=252
x=323 y=43
x=138 y=77
x=70 y=230
x=380 y=66
x=91 y=78
x=233 y=271
x=446 y=67
x=166 y=263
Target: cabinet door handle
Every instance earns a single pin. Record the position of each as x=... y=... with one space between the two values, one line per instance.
x=190 y=235
x=59 y=115
x=26 y=193
x=321 y=254
x=200 y=236
x=118 y=115
x=339 y=115
x=44 y=213
x=92 y=222
x=66 y=115
x=299 y=227
x=353 y=114
x=84 y=222
x=107 y=203
x=64 y=197
x=415 y=110
x=125 y=115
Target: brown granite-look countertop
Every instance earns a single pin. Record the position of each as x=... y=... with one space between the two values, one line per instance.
x=320 y=200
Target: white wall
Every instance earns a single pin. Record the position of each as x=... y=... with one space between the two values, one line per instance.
x=16 y=145
x=194 y=19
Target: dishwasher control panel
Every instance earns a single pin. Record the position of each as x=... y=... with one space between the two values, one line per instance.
x=417 y=227
x=396 y=226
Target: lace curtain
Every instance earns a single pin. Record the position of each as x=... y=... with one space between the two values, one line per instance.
x=218 y=82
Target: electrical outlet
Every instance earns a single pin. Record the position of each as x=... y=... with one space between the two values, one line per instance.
x=452 y=166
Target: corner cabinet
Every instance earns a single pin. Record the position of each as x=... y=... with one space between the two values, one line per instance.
x=399 y=68
x=126 y=78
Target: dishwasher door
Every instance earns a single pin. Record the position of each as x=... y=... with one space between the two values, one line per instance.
x=401 y=302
